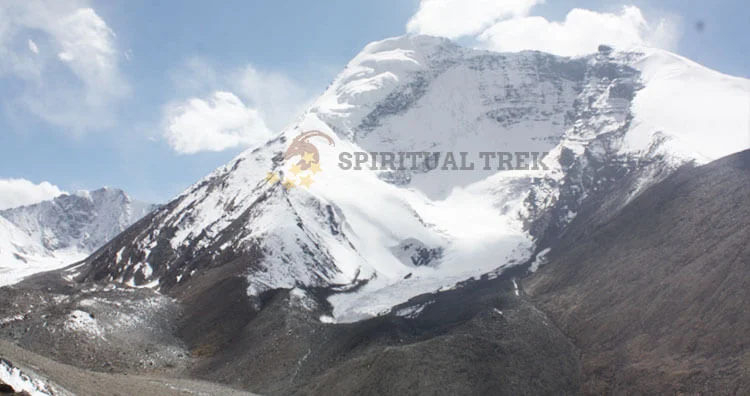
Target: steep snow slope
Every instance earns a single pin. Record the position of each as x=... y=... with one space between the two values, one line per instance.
x=21 y=382
x=55 y=233
x=378 y=237
x=21 y=256
x=707 y=111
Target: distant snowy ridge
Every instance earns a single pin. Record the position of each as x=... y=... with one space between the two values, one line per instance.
x=605 y=119
x=55 y=233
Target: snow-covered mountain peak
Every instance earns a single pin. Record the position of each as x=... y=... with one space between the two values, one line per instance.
x=390 y=76
x=390 y=234
x=63 y=230
x=705 y=110
x=84 y=220
x=372 y=75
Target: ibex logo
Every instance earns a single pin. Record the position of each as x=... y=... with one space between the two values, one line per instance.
x=301 y=172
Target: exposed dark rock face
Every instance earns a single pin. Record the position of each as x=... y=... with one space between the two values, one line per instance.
x=7 y=390
x=656 y=297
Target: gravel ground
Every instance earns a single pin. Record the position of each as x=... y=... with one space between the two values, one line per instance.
x=67 y=379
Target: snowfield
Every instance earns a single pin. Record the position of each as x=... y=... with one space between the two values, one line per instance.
x=22 y=382
x=21 y=256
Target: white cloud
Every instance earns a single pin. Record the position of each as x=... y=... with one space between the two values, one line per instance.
x=508 y=26
x=33 y=47
x=76 y=85
x=20 y=192
x=264 y=101
x=581 y=32
x=198 y=76
x=457 y=18
x=277 y=97
x=219 y=122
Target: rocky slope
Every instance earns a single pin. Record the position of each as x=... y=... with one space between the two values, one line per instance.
x=649 y=300
x=656 y=296
x=34 y=375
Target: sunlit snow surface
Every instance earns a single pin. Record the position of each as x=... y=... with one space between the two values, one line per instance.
x=707 y=111
x=20 y=381
x=478 y=230
x=21 y=256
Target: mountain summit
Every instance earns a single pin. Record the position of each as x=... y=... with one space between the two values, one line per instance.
x=66 y=229
x=375 y=238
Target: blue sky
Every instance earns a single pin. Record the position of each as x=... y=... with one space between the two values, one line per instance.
x=86 y=101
